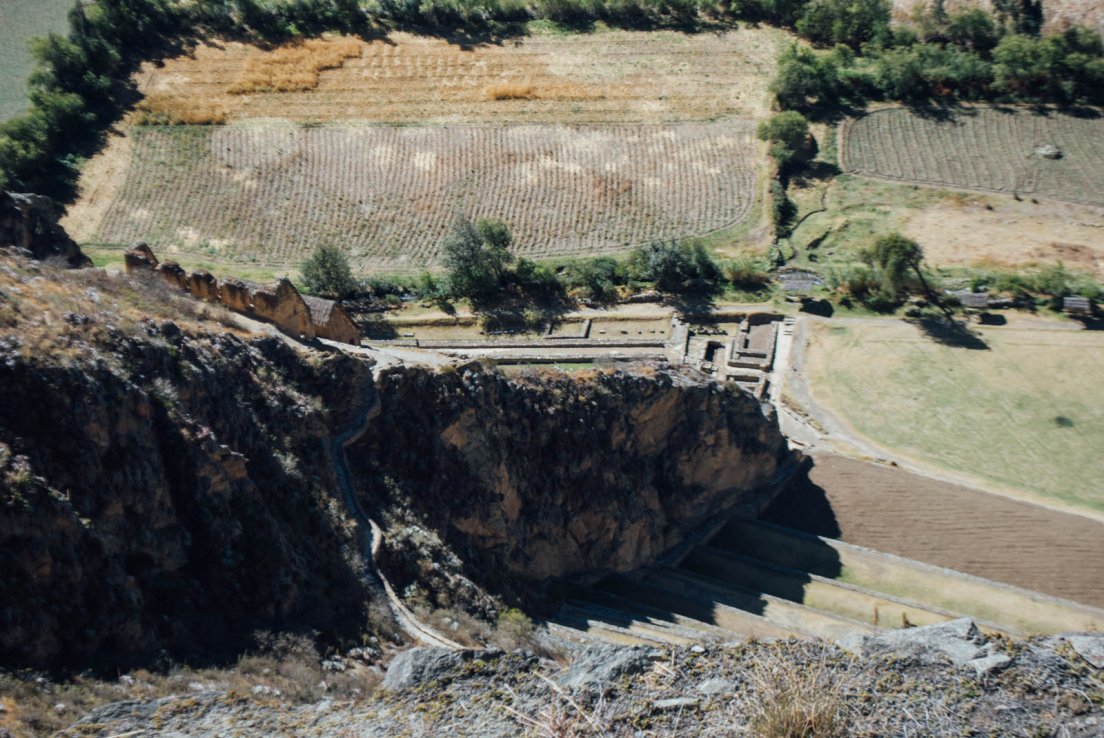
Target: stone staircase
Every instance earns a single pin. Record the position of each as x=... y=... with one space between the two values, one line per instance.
x=757 y=580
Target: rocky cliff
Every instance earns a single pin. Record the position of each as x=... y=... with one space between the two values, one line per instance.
x=534 y=478
x=167 y=484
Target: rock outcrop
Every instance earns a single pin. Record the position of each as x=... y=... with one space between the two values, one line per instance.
x=29 y=223
x=533 y=479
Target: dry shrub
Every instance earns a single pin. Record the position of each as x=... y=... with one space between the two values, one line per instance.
x=295 y=67
x=511 y=91
x=170 y=110
x=795 y=698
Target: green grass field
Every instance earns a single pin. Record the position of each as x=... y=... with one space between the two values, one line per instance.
x=21 y=20
x=1026 y=412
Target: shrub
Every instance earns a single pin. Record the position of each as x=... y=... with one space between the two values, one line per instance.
x=746 y=274
x=788 y=134
x=675 y=267
x=796 y=700
x=327 y=272
x=475 y=256
x=514 y=630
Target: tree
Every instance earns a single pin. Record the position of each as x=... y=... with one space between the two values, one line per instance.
x=788 y=134
x=674 y=267
x=851 y=22
x=476 y=256
x=895 y=256
x=327 y=272
x=972 y=29
x=805 y=79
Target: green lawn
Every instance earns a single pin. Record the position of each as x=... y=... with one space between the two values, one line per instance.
x=1026 y=413
x=21 y=20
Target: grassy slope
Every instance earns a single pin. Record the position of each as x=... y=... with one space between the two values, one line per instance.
x=1026 y=413
x=21 y=20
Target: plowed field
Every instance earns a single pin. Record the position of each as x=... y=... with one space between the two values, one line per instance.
x=948 y=525
x=270 y=194
x=982 y=149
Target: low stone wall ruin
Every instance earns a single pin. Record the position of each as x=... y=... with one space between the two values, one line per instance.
x=279 y=304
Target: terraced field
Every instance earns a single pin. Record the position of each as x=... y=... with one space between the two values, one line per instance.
x=20 y=21
x=986 y=149
x=582 y=143
x=270 y=194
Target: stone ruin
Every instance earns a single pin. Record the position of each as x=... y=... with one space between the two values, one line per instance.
x=279 y=304
x=29 y=224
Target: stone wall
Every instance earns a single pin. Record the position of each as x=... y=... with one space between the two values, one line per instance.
x=279 y=304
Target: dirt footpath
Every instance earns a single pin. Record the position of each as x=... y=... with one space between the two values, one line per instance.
x=948 y=525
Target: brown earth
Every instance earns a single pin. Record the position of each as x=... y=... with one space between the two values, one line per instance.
x=948 y=525
x=604 y=77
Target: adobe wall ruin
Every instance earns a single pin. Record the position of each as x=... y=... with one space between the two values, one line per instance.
x=279 y=304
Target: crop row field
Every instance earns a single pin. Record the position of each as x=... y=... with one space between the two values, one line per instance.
x=268 y=194
x=20 y=21
x=990 y=149
x=609 y=76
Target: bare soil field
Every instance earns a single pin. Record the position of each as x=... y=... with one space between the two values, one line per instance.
x=268 y=194
x=20 y=21
x=604 y=77
x=983 y=148
x=1000 y=232
x=948 y=525
x=1018 y=407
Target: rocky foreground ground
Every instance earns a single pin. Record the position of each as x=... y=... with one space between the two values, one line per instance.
x=944 y=680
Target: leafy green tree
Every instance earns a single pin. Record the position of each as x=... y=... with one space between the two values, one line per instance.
x=788 y=135
x=805 y=79
x=850 y=22
x=595 y=278
x=897 y=257
x=675 y=268
x=972 y=29
x=327 y=272
x=476 y=256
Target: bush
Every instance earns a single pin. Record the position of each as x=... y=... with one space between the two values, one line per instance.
x=805 y=79
x=746 y=274
x=326 y=272
x=788 y=135
x=675 y=268
x=596 y=279
x=850 y=22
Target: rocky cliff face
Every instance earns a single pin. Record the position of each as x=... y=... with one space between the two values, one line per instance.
x=535 y=478
x=166 y=486
x=29 y=223
x=161 y=491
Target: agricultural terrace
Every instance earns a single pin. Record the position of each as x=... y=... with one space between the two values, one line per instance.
x=989 y=149
x=20 y=21
x=1024 y=413
x=389 y=194
x=583 y=144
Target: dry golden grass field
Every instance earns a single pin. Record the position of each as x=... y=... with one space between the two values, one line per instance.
x=582 y=143
x=1026 y=412
x=989 y=149
x=603 y=77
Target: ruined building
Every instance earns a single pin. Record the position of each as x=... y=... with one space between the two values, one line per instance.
x=279 y=304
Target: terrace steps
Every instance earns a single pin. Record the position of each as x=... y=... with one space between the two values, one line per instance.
x=757 y=580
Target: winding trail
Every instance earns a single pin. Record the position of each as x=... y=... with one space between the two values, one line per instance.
x=369 y=532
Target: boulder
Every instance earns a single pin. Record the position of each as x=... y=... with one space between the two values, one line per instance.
x=960 y=641
x=606 y=663
x=1090 y=648
x=1048 y=151
x=417 y=666
x=140 y=257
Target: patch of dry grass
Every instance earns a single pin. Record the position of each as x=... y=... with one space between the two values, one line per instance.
x=167 y=109
x=295 y=67
x=797 y=700
x=512 y=91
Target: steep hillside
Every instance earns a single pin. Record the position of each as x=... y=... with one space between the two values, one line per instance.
x=168 y=484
